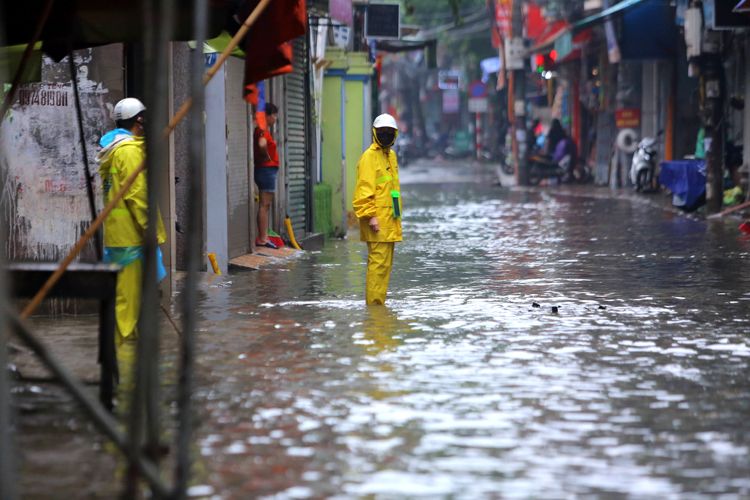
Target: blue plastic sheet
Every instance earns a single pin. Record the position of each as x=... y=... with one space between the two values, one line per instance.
x=125 y=256
x=685 y=178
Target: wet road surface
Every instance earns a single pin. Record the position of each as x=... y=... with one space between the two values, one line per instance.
x=459 y=388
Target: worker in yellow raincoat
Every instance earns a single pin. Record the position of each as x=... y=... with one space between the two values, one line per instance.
x=377 y=204
x=124 y=149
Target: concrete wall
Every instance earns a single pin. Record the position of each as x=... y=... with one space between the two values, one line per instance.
x=181 y=140
x=333 y=129
x=355 y=106
x=238 y=166
x=41 y=159
x=216 y=171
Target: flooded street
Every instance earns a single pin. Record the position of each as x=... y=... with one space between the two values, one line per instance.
x=460 y=388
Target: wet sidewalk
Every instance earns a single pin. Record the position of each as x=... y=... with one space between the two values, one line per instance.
x=460 y=388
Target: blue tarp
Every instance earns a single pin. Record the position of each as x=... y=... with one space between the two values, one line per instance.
x=685 y=178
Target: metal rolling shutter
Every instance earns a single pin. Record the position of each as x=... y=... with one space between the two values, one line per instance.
x=296 y=143
x=238 y=191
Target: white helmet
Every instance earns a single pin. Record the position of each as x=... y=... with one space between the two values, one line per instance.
x=385 y=121
x=128 y=108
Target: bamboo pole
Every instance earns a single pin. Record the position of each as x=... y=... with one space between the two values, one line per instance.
x=25 y=60
x=42 y=293
x=730 y=210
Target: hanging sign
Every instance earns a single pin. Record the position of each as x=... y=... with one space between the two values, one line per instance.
x=514 y=53
x=451 y=101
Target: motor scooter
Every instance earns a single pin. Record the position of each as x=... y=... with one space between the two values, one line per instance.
x=643 y=167
x=541 y=167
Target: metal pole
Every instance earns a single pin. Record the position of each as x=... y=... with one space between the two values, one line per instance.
x=8 y=478
x=478 y=122
x=517 y=93
x=158 y=23
x=86 y=172
x=195 y=242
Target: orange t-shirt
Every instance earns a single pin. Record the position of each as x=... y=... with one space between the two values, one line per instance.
x=272 y=151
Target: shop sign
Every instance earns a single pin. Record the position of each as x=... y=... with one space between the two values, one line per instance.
x=462 y=140
x=613 y=49
x=450 y=101
x=503 y=14
x=479 y=105
x=628 y=118
x=449 y=79
x=341 y=10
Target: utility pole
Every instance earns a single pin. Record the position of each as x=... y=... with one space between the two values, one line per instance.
x=517 y=93
x=713 y=94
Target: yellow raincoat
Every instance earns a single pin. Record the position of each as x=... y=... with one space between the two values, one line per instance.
x=125 y=226
x=377 y=179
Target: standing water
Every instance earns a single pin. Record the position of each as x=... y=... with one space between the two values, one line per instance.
x=460 y=388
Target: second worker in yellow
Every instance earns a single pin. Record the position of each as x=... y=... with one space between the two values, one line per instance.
x=377 y=204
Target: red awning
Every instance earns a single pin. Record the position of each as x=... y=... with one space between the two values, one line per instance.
x=743 y=7
x=579 y=41
x=549 y=35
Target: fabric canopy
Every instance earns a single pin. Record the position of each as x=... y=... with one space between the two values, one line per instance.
x=547 y=39
x=89 y=23
x=579 y=42
x=618 y=9
x=10 y=59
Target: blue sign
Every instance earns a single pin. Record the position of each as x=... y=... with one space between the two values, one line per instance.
x=477 y=90
x=211 y=59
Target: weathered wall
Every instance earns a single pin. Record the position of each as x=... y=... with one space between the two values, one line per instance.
x=44 y=196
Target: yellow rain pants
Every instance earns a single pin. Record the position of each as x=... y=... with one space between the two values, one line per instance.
x=379 y=263
x=377 y=179
x=128 y=308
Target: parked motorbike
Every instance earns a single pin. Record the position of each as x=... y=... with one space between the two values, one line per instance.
x=643 y=167
x=541 y=167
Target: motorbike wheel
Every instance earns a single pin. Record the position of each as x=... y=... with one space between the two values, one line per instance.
x=584 y=175
x=643 y=181
x=535 y=177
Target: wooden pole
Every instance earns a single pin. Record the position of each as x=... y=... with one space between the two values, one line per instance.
x=42 y=293
x=25 y=60
x=730 y=210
